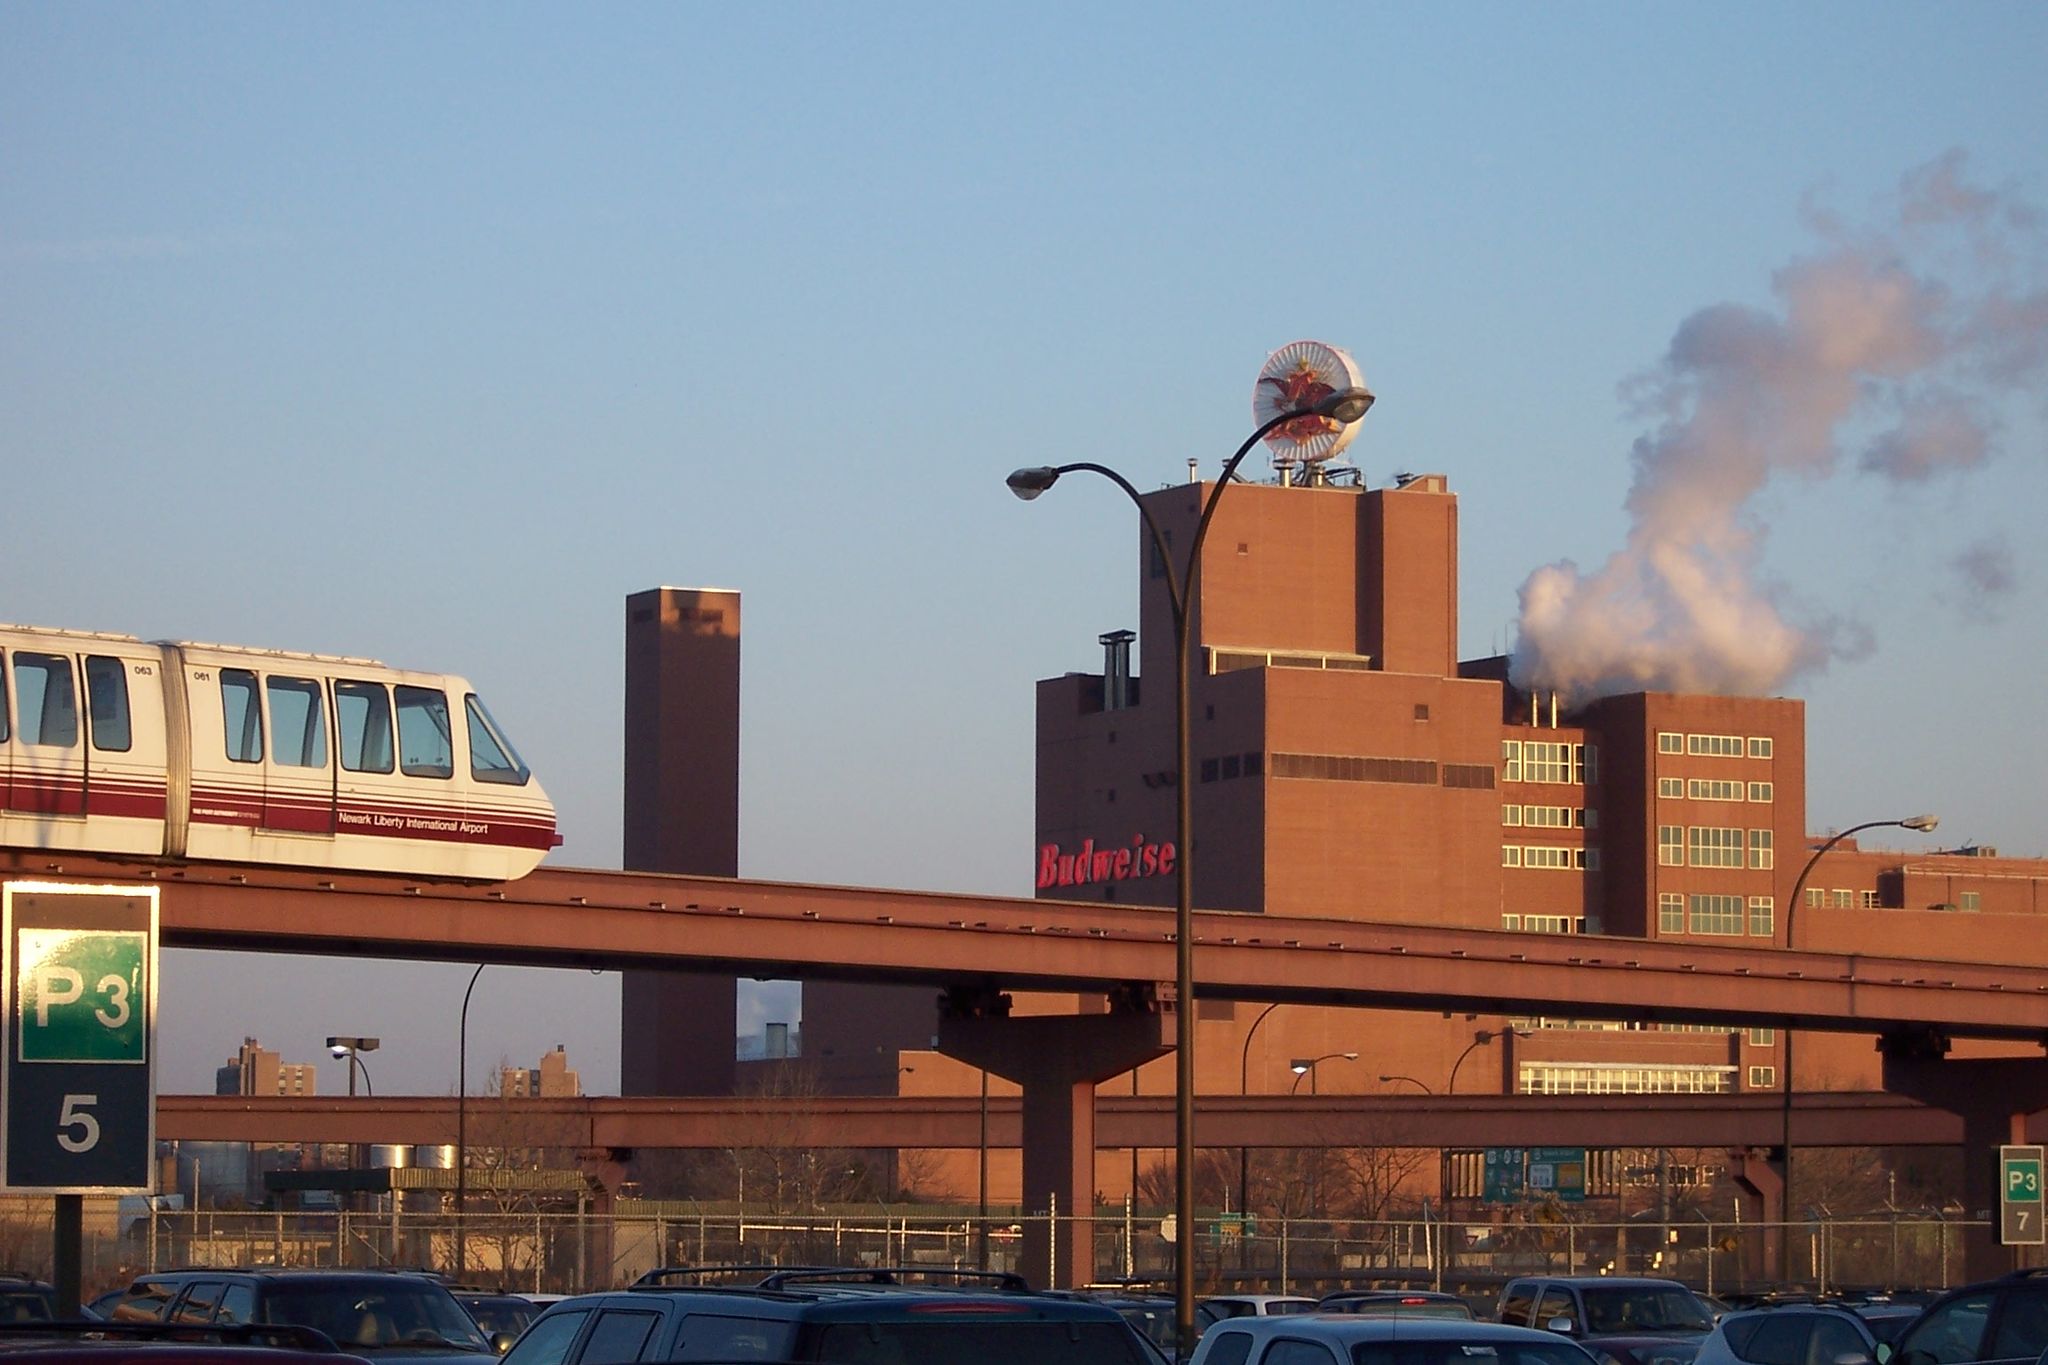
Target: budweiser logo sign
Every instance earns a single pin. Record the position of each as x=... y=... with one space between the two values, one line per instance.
x=1089 y=864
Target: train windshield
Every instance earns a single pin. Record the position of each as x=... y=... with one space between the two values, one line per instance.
x=491 y=756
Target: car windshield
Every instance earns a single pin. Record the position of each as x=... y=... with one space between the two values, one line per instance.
x=376 y=1315
x=998 y=1341
x=1454 y=1352
x=1644 y=1309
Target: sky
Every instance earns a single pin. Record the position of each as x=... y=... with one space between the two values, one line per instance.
x=430 y=333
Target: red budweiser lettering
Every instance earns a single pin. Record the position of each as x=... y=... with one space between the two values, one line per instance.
x=1091 y=864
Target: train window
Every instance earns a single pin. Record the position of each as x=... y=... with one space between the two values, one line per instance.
x=425 y=746
x=364 y=713
x=44 y=701
x=298 y=727
x=241 y=716
x=3 y=700
x=106 y=694
x=491 y=759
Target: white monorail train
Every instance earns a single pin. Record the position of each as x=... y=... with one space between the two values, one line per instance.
x=213 y=752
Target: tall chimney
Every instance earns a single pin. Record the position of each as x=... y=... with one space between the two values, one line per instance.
x=1116 y=669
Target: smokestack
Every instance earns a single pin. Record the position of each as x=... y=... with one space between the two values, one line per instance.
x=1116 y=669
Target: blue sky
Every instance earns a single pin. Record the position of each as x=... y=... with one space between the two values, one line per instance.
x=429 y=333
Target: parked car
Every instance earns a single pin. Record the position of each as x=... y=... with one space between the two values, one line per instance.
x=1795 y=1334
x=1369 y=1339
x=89 y=1341
x=1411 y=1303
x=1997 y=1321
x=1152 y=1314
x=857 y=1316
x=500 y=1316
x=363 y=1311
x=1886 y=1321
x=1622 y=1320
x=24 y=1298
x=1217 y=1307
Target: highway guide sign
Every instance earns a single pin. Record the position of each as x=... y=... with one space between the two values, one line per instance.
x=78 y=1071
x=2020 y=1196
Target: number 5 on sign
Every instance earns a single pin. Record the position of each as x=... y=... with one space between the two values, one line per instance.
x=75 y=1116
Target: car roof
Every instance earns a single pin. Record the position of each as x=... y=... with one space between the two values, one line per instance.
x=830 y=1301
x=1257 y=1298
x=1589 y=1281
x=1355 y=1327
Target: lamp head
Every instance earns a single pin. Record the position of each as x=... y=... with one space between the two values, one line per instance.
x=1350 y=1056
x=1300 y=1066
x=339 y=1050
x=1029 y=483
x=1922 y=823
x=1344 y=405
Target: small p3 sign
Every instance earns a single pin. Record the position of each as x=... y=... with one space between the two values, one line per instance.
x=2019 y=1197
x=78 y=1073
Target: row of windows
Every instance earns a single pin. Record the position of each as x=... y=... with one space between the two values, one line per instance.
x=1713 y=746
x=1544 y=924
x=1841 y=899
x=1230 y=766
x=1714 y=789
x=1345 y=768
x=1758 y=1037
x=1551 y=817
x=1553 y=856
x=1715 y=846
x=1579 y=1078
x=1541 y=760
x=1710 y=913
x=46 y=702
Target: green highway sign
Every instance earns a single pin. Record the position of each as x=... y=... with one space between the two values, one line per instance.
x=78 y=1072
x=2020 y=1196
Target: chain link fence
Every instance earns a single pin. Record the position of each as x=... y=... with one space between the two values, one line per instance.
x=567 y=1252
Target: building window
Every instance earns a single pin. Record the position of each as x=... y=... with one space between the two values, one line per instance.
x=1585 y=764
x=1588 y=818
x=1760 y=791
x=1551 y=924
x=1589 y=858
x=1546 y=761
x=1969 y=900
x=1511 y=923
x=1842 y=900
x=1547 y=817
x=1711 y=846
x=1815 y=898
x=1763 y=913
x=1670 y=788
x=1763 y=1037
x=1670 y=913
x=1714 y=746
x=1710 y=789
x=1762 y=853
x=1712 y=914
x=1208 y=770
x=1870 y=901
x=1759 y=746
x=1511 y=760
x=1511 y=815
x=1591 y=1078
x=1670 y=846
x=1669 y=743
x=1763 y=1078
x=1544 y=855
x=1510 y=855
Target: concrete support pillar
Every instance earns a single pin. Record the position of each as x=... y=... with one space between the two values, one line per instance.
x=1058 y=1059
x=1993 y=1096
x=606 y=1169
x=1760 y=1176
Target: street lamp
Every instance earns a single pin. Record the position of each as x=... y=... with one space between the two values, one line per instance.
x=1306 y=1066
x=351 y=1048
x=1411 y=1080
x=1918 y=823
x=1340 y=405
x=1485 y=1035
x=1244 y=1154
x=462 y=1129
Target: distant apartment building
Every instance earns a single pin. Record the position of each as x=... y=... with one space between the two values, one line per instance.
x=551 y=1079
x=256 y=1070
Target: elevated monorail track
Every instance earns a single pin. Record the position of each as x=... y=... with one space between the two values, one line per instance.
x=571 y=917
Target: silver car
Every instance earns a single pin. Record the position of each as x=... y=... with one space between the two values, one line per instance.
x=1796 y=1334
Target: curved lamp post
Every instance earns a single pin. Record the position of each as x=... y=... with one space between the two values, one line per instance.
x=1918 y=823
x=1244 y=1063
x=1342 y=405
x=462 y=1129
x=352 y=1048
x=1419 y=1085
x=1485 y=1035
x=1306 y=1066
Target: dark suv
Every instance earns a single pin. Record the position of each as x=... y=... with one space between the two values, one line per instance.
x=24 y=1298
x=366 y=1312
x=1638 y=1320
x=849 y=1317
x=2000 y=1320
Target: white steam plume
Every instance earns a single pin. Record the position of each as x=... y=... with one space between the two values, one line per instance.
x=1902 y=338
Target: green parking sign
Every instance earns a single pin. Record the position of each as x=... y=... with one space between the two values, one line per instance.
x=2020 y=1196
x=82 y=993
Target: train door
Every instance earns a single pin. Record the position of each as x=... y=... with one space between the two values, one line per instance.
x=125 y=753
x=298 y=782
x=49 y=753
